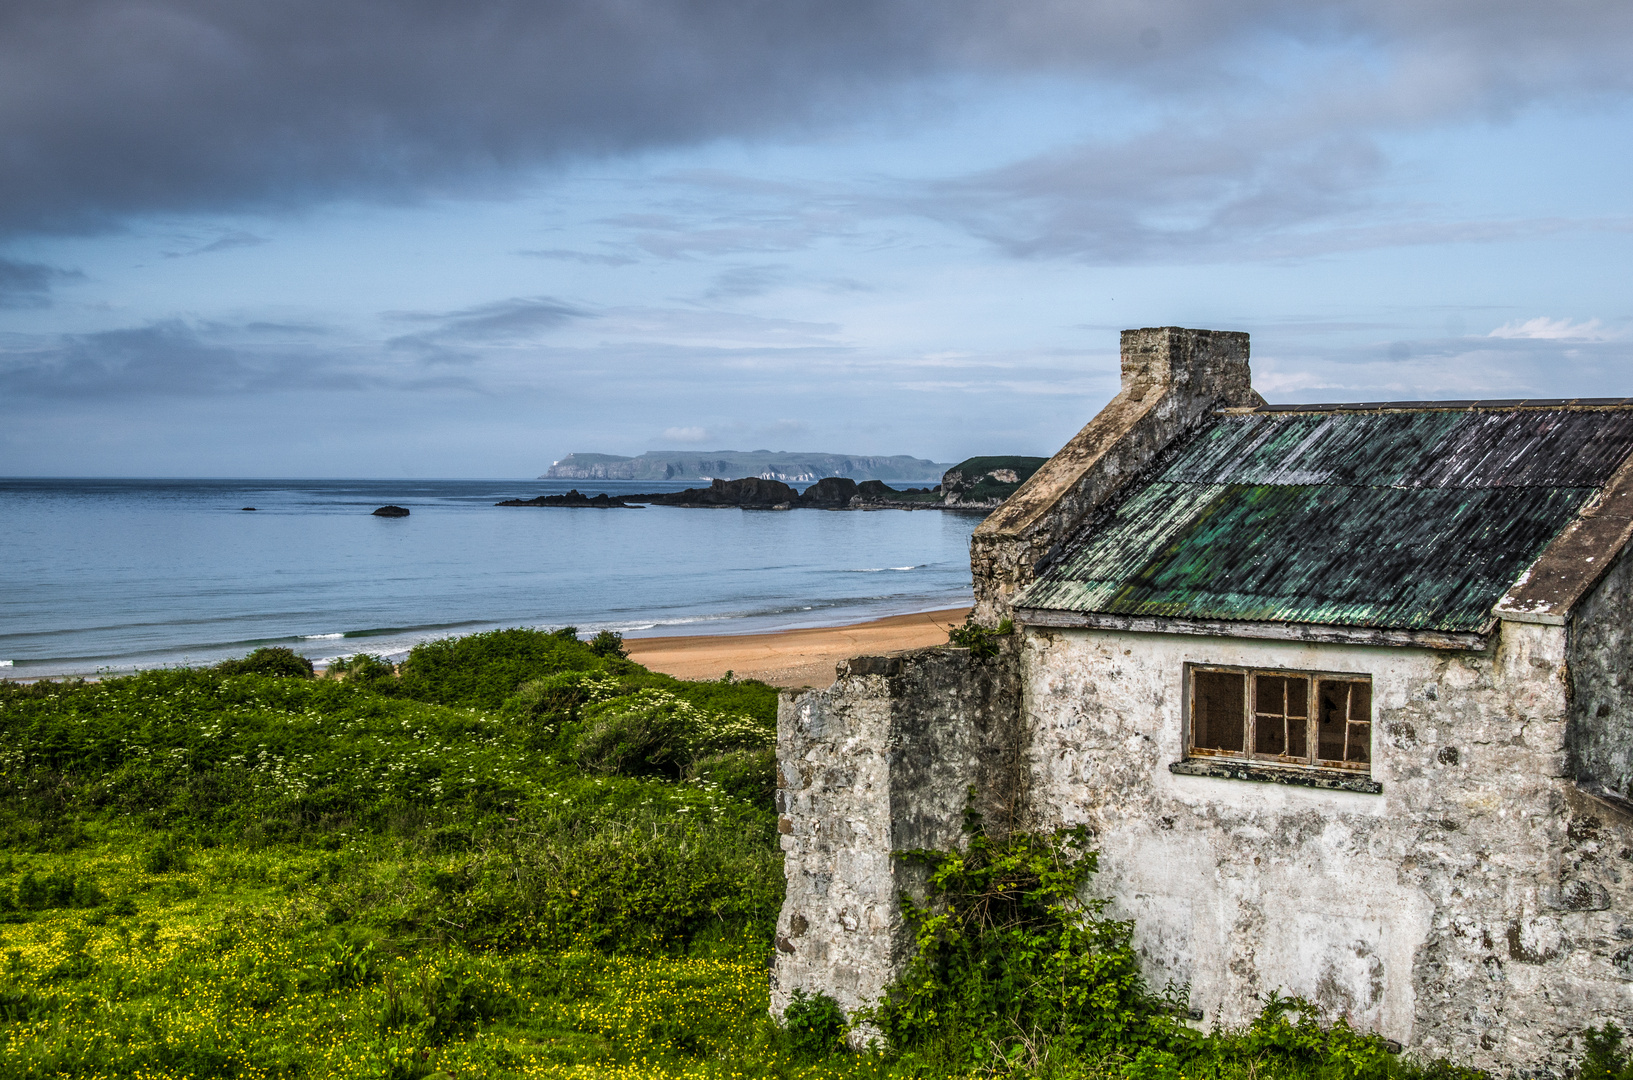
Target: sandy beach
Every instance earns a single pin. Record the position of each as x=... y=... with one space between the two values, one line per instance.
x=791 y=657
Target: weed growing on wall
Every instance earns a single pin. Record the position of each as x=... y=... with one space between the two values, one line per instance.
x=1014 y=966
x=979 y=640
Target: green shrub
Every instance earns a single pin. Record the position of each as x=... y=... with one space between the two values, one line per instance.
x=608 y=643
x=746 y=774
x=1604 y=1056
x=482 y=670
x=277 y=661
x=163 y=857
x=815 y=1024
x=978 y=639
x=657 y=733
x=649 y=733
x=555 y=699
x=58 y=889
x=1012 y=963
x=740 y=697
x=364 y=667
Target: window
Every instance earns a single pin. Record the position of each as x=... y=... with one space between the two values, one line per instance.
x=1281 y=717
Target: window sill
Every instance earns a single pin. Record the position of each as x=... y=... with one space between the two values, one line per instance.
x=1235 y=769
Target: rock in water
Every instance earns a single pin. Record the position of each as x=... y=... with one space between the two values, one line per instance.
x=750 y=493
x=392 y=511
x=573 y=498
x=829 y=493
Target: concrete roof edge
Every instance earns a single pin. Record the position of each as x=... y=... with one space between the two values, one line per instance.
x=1575 y=561
x=1060 y=475
x=1273 y=631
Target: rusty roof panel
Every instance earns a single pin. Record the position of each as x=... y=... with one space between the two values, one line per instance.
x=1409 y=519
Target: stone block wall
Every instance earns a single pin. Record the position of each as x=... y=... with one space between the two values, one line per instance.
x=883 y=761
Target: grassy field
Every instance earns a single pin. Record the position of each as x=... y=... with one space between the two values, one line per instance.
x=520 y=855
x=235 y=873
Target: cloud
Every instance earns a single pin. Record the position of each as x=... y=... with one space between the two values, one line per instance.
x=1543 y=328
x=178 y=359
x=110 y=109
x=166 y=358
x=28 y=285
x=691 y=435
x=587 y=257
x=520 y=318
x=741 y=282
x=235 y=239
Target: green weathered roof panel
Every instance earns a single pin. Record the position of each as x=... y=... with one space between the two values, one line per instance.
x=1412 y=519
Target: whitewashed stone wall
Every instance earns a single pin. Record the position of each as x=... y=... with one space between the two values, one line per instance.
x=1454 y=912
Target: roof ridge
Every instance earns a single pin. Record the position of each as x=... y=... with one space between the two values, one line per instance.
x=1471 y=405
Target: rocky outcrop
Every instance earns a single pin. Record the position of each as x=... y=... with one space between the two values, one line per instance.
x=874 y=495
x=392 y=511
x=749 y=493
x=831 y=493
x=573 y=498
x=985 y=482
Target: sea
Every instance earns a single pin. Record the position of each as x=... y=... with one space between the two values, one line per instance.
x=109 y=576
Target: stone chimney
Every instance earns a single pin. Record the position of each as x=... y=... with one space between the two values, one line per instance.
x=1172 y=379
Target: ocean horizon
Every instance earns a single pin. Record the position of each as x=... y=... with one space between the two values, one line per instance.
x=106 y=576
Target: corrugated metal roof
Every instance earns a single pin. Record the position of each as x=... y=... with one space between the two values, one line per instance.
x=1407 y=518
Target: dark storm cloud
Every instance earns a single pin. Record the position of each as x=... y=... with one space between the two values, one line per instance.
x=28 y=285
x=174 y=359
x=110 y=108
x=167 y=358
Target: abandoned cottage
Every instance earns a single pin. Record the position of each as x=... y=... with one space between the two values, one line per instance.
x=1344 y=693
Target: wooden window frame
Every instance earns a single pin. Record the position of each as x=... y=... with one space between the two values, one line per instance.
x=1311 y=761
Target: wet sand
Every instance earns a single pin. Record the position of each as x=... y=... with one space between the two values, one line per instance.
x=791 y=657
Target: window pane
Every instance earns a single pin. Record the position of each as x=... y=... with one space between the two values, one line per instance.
x=1360 y=726
x=1360 y=703
x=1298 y=723
x=1344 y=721
x=1217 y=716
x=1270 y=714
x=1332 y=715
x=1298 y=698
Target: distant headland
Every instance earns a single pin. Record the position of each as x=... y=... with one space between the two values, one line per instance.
x=978 y=483
x=790 y=467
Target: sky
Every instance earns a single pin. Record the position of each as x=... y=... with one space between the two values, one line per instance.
x=444 y=238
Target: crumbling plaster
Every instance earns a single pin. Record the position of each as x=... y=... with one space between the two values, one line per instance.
x=1446 y=912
